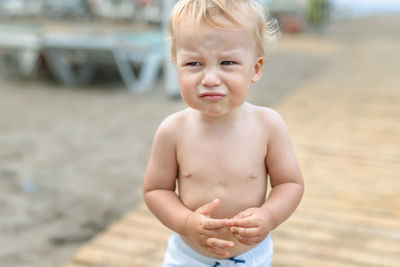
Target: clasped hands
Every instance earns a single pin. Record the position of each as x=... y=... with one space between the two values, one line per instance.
x=249 y=227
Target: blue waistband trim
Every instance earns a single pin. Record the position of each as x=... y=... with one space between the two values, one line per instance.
x=231 y=259
x=237 y=260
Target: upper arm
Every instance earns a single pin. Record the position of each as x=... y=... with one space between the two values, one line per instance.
x=281 y=160
x=162 y=167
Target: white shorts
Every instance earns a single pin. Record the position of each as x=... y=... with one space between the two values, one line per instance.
x=180 y=254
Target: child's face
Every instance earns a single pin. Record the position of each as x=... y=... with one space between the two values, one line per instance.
x=216 y=66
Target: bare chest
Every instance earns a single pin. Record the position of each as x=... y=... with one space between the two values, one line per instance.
x=218 y=159
x=230 y=167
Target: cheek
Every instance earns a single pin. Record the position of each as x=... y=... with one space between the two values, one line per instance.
x=243 y=94
x=240 y=90
x=240 y=83
x=185 y=85
x=188 y=82
x=187 y=88
x=185 y=78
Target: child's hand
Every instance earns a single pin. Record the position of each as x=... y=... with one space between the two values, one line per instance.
x=203 y=229
x=251 y=226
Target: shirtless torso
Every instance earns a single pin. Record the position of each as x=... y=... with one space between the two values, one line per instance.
x=223 y=162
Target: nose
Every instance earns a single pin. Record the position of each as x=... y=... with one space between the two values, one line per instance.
x=210 y=78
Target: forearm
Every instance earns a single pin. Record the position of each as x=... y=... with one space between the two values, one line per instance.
x=168 y=208
x=282 y=201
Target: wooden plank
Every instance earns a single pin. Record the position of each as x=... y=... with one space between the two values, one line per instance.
x=345 y=235
x=336 y=255
x=347 y=141
x=134 y=246
x=74 y=264
x=126 y=230
x=100 y=256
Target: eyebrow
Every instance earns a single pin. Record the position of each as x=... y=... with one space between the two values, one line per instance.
x=230 y=53
x=188 y=53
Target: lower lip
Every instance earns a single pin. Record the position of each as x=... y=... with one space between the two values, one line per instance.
x=213 y=97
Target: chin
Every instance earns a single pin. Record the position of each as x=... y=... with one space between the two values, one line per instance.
x=210 y=111
x=215 y=113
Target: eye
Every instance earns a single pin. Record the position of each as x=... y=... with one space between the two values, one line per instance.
x=228 y=62
x=194 y=64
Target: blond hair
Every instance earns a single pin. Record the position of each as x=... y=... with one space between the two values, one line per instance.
x=201 y=11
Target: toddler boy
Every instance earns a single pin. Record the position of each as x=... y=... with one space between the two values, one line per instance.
x=221 y=150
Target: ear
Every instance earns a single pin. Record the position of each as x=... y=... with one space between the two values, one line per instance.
x=258 y=68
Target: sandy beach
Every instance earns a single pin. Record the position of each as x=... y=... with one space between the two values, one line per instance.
x=72 y=160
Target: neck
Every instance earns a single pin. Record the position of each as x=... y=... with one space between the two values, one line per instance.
x=228 y=118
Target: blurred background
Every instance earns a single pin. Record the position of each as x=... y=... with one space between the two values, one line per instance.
x=84 y=85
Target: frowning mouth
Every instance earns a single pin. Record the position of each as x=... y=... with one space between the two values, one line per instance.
x=212 y=96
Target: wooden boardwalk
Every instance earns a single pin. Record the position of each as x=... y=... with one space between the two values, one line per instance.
x=345 y=124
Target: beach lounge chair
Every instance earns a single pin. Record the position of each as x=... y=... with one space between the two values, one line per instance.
x=73 y=58
x=19 y=49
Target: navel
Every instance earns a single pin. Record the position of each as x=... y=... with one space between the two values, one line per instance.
x=253 y=176
x=187 y=174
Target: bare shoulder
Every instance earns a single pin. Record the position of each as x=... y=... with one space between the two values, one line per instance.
x=268 y=117
x=171 y=125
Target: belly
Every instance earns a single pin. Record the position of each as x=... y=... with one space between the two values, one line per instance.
x=235 y=196
x=247 y=191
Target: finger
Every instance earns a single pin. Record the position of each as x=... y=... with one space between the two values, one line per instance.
x=233 y=219
x=219 y=243
x=245 y=232
x=245 y=222
x=248 y=241
x=216 y=232
x=242 y=215
x=218 y=251
x=208 y=208
x=212 y=224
